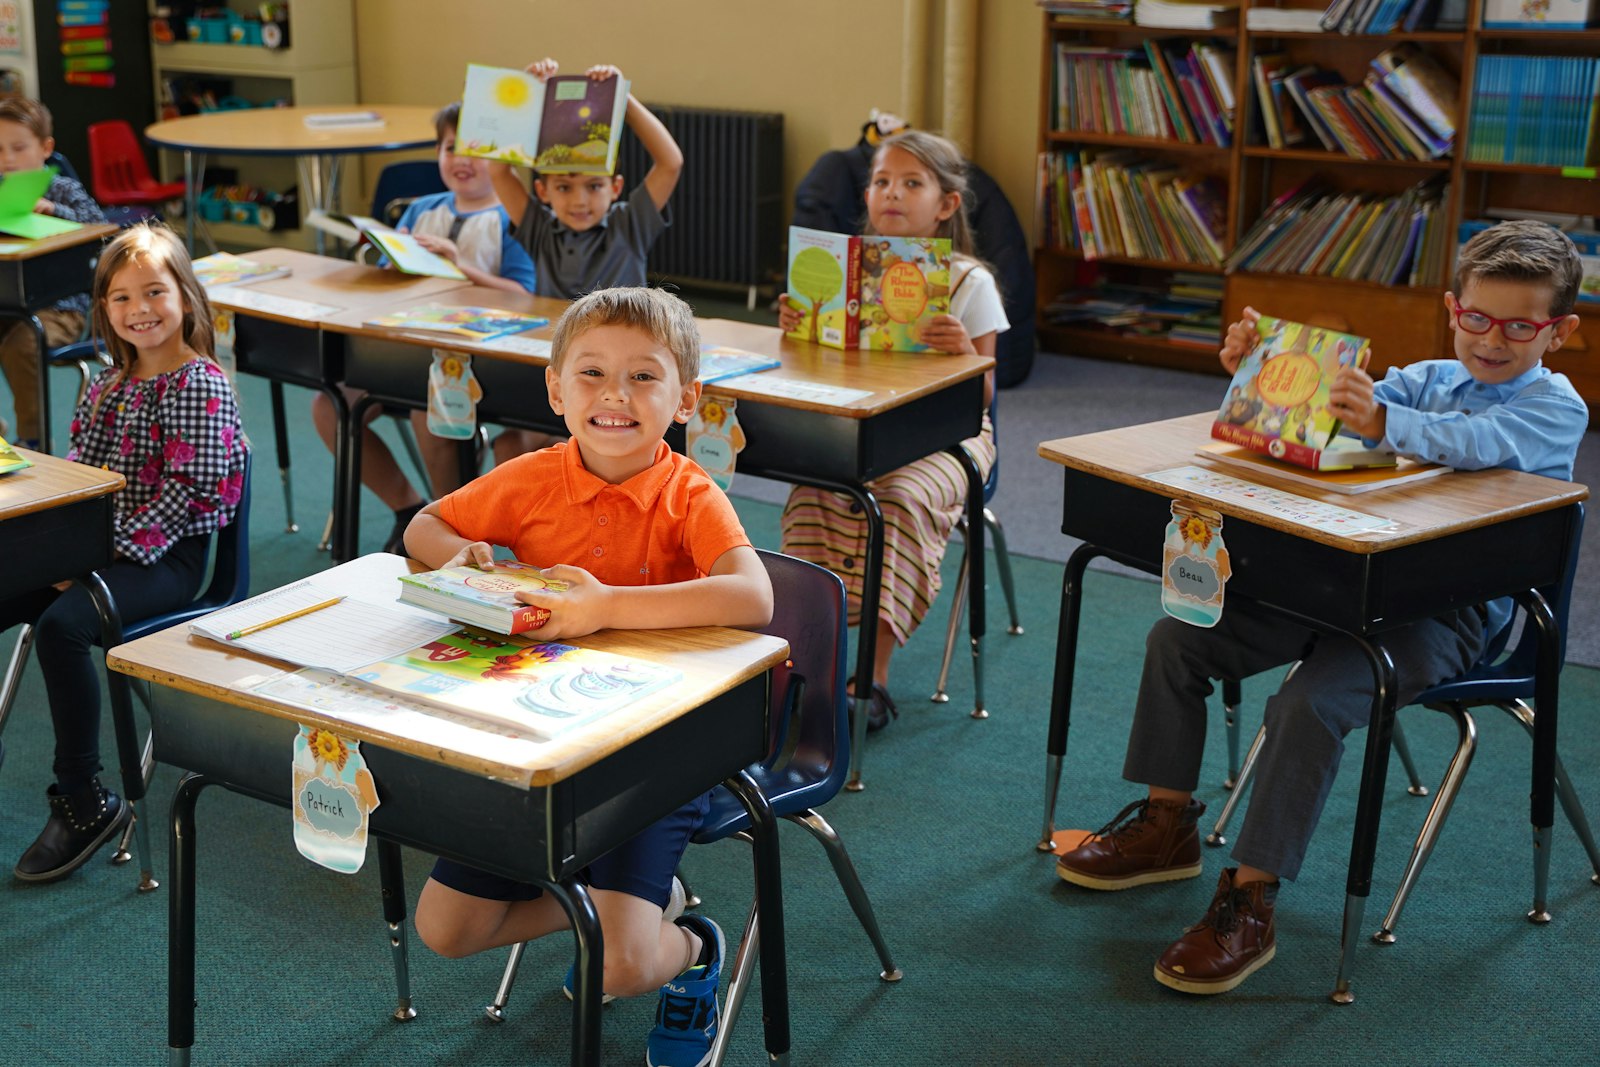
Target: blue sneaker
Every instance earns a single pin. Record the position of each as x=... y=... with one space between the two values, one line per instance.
x=673 y=909
x=686 y=1020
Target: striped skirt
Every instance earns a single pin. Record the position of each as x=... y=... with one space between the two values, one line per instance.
x=921 y=503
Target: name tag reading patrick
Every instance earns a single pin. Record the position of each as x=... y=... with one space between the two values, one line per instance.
x=334 y=795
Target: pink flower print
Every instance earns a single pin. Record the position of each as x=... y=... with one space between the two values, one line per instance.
x=227 y=435
x=155 y=431
x=231 y=488
x=137 y=400
x=125 y=447
x=183 y=377
x=177 y=451
x=150 y=473
x=110 y=420
x=75 y=427
x=150 y=536
x=201 y=507
x=161 y=388
x=212 y=404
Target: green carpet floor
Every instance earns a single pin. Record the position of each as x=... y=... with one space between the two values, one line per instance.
x=1004 y=964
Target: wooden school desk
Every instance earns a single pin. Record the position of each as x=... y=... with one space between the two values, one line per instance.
x=282 y=131
x=56 y=523
x=1458 y=539
x=287 y=346
x=452 y=787
x=917 y=405
x=34 y=275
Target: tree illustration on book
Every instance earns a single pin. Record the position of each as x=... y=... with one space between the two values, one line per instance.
x=817 y=276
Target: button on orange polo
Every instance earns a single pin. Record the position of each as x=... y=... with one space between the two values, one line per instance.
x=671 y=524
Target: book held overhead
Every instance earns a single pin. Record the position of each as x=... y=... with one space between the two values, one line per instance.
x=568 y=124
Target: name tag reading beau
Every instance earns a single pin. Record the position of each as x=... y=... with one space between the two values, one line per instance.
x=1194 y=565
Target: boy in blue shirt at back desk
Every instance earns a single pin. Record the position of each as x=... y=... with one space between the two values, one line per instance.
x=1494 y=405
x=581 y=236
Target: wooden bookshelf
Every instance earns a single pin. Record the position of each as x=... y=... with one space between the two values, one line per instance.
x=1406 y=323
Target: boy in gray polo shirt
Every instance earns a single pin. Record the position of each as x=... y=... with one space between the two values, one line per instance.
x=580 y=235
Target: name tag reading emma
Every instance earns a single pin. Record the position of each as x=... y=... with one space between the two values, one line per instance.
x=1194 y=565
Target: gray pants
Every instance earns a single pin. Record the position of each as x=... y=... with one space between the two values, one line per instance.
x=1329 y=695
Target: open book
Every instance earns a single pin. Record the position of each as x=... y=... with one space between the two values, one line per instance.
x=545 y=689
x=570 y=124
x=472 y=323
x=19 y=192
x=224 y=268
x=403 y=250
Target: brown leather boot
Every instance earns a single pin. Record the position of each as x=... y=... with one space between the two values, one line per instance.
x=1148 y=841
x=1232 y=942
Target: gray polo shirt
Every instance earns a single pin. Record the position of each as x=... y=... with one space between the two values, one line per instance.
x=570 y=264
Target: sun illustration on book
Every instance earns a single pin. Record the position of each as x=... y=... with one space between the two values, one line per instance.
x=1196 y=531
x=511 y=92
x=328 y=748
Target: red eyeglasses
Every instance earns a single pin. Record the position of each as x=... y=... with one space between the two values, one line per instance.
x=1511 y=329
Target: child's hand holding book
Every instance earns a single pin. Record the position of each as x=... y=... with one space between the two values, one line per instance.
x=1239 y=340
x=576 y=611
x=946 y=333
x=1350 y=398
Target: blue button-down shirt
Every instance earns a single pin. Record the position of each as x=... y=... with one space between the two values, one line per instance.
x=1437 y=411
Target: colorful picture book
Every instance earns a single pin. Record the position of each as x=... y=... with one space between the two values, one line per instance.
x=568 y=124
x=1277 y=403
x=471 y=323
x=544 y=688
x=19 y=192
x=824 y=285
x=905 y=281
x=719 y=361
x=11 y=459
x=481 y=596
x=225 y=268
x=403 y=251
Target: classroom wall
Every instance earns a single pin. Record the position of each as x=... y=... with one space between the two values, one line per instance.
x=823 y=64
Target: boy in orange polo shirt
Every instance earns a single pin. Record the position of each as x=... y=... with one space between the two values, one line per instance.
x=644 y=539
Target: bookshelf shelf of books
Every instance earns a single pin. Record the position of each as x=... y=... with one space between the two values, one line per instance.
x=1404 y=136
x=315 y=67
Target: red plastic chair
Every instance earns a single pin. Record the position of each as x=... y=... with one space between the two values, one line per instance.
x=119 y=173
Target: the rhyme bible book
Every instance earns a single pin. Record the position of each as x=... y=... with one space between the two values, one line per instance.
x=825 y=286
x=570 y=124
x=867 y=292
x=481 y=596
x=1277 y=403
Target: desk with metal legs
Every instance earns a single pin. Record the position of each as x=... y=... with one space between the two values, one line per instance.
x=36 y=274
x=453 y=788
x=56 y=524
x=917 y=405
x=1456 y=540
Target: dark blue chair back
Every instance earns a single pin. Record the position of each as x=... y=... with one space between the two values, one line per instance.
x=808 y=699
x=1499 y=676
x=406 y=180
x=230 y=572
x=63 y=166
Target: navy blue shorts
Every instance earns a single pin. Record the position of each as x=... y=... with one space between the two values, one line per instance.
x=642 y=866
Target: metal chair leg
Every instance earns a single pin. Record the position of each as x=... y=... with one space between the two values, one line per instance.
x=1003 y=560
x=1433 y=824
x=958 y=604
x=1403 y=750
x=1231 y=698
x=744 y=965
x=496 y=1008
x=280 y=435
x=691 y=899
x=14 y=667
x=325 y=542
x=850 y=882
x=1216 y=837
x=1570 y=805
x=392 y=877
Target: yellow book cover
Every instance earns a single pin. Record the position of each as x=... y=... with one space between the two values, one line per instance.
x=11 y=459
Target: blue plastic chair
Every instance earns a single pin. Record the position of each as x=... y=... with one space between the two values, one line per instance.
x=997 y=536
x=229 y=584
x=400 y=183
x=808 y=756
x=1499 y=679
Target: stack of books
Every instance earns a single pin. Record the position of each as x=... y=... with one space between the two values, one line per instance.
x=1189 y=311
x=1391 y=16
x=1186 y=14
x=1090 y=10
x=1393 y=240
x=1405 y=108
x=1118 y=204
x=1171 y=89
x=1538 y=110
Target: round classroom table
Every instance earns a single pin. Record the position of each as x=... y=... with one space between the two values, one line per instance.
x=282 y=131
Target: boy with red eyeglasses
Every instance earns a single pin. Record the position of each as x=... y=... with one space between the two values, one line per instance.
x=1494 y=405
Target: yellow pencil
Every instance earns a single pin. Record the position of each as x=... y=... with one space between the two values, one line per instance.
x=258 y=627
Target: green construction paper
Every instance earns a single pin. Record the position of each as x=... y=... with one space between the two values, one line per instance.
x=18 y=193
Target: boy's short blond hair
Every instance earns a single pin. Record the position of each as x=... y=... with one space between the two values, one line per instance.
x=1521 y=250
x=665 y=317
x=25 y=112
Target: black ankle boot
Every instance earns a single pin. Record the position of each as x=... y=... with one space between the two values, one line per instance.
x=79 y=824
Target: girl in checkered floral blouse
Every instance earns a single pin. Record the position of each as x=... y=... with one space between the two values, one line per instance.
x=164 y=416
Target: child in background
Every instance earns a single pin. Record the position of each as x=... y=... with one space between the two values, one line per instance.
x=644 y=539
x=466 y=225
x=1494 y=405
x=26 y=144
x=164 y=416
x=581 y=236
x=915 y=190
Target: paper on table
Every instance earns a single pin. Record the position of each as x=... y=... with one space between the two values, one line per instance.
x=272 y=304
x=1289 y=507
x=788 y=387
x=344 y=637
x=520 y=344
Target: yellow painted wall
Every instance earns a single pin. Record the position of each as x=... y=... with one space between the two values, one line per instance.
x=823 y=64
